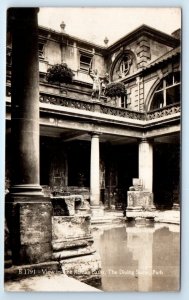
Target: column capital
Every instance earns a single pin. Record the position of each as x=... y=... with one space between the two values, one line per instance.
x=95 y=134
x=146 y=140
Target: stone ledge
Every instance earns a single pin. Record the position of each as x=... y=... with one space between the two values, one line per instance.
x=73 y=252
x=24 y=271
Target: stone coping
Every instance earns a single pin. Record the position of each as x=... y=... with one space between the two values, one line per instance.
x=166 y=216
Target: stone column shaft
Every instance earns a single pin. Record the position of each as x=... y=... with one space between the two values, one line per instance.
x=25 y=102
x=95 y=172
x=146 y=164
x=28 y=212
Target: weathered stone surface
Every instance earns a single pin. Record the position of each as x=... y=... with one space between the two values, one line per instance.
x=71 y=244
x=35 y=223
x=83 y=267
x=32 y=232
x=140 y=200
x=38 y=252
x=74 y=252
x=70 y=227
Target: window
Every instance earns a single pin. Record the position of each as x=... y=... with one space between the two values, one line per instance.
x=125 y=101
x=167 y=92
x=41 y=50
x=125 y=65
x=85 y=62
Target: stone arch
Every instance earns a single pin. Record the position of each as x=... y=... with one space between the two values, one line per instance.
x=149 y=97
x=117 y=62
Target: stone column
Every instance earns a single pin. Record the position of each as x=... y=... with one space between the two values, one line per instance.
x=28 y=211
x=146 y=164
x=95 y=175
x=25 y=103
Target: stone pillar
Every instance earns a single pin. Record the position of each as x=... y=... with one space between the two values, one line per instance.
x=146 y=164
x=28 y=211
x=25 y=103
x=95 y=175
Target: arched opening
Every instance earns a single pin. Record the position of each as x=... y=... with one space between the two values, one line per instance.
x=167 y=92
x=124 y=64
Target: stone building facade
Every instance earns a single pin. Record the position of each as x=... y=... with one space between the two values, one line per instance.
x=71 y=152
x=137 y=135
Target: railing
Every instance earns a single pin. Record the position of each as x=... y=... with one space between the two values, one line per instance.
x=67 y=102
x=164 y=111
x=110 y=110
x=91 y=106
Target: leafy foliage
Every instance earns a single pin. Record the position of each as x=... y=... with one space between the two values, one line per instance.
x=115 y=89
x=60 y=73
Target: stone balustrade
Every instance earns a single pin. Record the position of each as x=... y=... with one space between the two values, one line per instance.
x=94 y=106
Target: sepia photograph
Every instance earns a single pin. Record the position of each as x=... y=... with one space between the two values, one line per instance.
x=93 y=149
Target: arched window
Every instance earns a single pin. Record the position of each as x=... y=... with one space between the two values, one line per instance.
x=167 y=92
x=125 y=65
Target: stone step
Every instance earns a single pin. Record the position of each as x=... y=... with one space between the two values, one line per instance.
x=73 y=252
x=73 y=244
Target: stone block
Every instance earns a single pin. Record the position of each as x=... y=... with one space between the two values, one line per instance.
x=35 y=223
x=31 y=231
x=137 y=181
x=71 y=227
x=36 y=253
x=140 y=200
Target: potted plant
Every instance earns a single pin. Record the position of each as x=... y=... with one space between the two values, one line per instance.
x=115 y=89
x=60 y=73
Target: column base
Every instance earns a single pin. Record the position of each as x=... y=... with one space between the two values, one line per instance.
x=97 y=211
x=30 y=225
x=26 y=190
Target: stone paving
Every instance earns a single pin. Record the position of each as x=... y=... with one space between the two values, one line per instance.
x=48 y=283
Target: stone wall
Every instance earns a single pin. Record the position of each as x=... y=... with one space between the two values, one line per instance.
x=73 y=247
